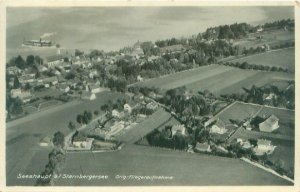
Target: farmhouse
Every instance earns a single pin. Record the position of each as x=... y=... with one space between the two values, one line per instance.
x=218 y=127
x=88 y=95
x=178 y=129
x=202 y=147
x=264 y=146
x=81 y=141
x=270 y=124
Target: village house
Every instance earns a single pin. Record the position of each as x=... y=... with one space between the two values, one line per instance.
x=54 y=60
x=202 y=147
x=139 y=78
x=13 y=70
x=64 y=88
x=27 y=78
x=81 y=141
x=94 y=88
x=25 y=96
x=41 y=68
x=270 y=124
x=93 y=73
x=15 y=92
x=86 y=95
x=127 y=108
x=46 y=141
x=244 y=143
x=48 y=81
x=152 y=105
x=178 y=129
x=115 y=113
x=264 y=147
x=218 y=127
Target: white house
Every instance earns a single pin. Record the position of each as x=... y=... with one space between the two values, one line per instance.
x=202 y=147
x=270 y=124
x=81 y=141
x=115 y=113
x=94 y=88
x=139 y=78
x=15 y=92
x=64 y=88
x=218 y=127
x=54 y=60
x=264 y=146
x=88 y=95
x=127 y=108
x=178 y=129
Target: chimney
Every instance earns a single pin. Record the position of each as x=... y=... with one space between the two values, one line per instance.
x=58 y=51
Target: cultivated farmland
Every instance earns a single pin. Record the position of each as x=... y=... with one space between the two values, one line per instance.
x=218 y=79
x=284 y=58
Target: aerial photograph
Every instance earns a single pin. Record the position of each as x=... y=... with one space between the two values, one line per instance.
x=150 y=96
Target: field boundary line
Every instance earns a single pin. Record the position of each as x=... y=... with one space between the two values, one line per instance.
x=266 y=106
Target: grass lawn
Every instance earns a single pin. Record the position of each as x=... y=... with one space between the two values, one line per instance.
x=187 y=169
x=285 y=152
x=239 y=112
x=279 y=58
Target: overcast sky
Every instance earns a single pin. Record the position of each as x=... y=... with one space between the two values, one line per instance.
x=115 y=27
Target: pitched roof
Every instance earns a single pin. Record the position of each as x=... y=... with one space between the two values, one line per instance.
x=271 y=120
x=203 y=146
x=54 y=58
x=220 y=123
x=263 y=142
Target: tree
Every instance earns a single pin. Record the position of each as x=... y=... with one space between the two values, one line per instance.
x=30 y=60
x=71 y=126
x=79 y=119
x=78 y=52
x=20 y=63
x=59 y=139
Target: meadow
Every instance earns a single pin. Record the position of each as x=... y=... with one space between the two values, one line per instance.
x=284 y=58
x=218 y=79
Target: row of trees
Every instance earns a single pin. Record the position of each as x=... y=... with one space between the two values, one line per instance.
x=84 y=118
x=56 y=161
x=246 y=65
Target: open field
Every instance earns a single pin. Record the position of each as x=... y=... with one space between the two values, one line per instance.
x=285 y=151
x=150 y=123
x=218 y=79
x=149 y=161
x=22 y=135
x=272 y=38
x=284 y=58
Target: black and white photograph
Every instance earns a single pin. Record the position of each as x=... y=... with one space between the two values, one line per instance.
x=187 y=95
